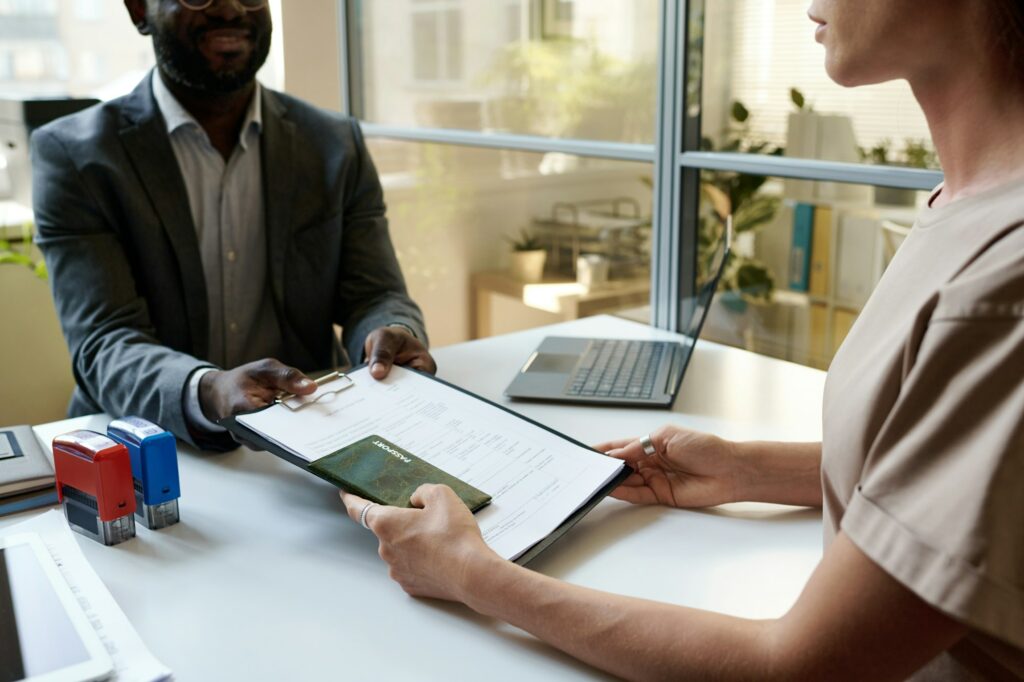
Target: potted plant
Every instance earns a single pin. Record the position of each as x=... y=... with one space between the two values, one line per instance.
x=916 y=154
x=746 y=280
x=528 y=256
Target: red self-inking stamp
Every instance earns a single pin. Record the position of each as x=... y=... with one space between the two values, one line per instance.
x=94 y=485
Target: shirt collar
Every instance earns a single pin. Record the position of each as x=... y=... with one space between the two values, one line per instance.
x=177 y=116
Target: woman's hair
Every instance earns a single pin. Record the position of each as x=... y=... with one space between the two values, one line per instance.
x=1008 y=21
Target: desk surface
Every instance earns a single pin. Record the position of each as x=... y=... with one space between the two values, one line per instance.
x=265 y=579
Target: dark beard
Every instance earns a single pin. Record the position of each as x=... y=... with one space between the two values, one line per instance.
x=185 y=64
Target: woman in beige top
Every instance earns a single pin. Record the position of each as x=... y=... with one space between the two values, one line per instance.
x=921 y=469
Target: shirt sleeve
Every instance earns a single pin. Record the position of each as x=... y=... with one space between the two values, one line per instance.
x=940 y=505
x=194 y=416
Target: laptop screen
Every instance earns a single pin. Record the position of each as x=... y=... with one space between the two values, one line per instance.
x=697 y=307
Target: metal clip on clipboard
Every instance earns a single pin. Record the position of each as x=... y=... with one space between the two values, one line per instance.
x=325 y=386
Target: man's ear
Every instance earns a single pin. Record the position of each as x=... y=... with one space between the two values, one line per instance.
x=137 y=12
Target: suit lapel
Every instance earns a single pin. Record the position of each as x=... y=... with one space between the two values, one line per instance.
x=149 y=148
x=280 y=178
x=278 y=148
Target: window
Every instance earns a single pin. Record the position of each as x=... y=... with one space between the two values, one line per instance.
x=453 y=210
x=764 y=75
x=436 y=41
x=506 y=132
x=562 y=108
x=812 y=239
x=806 y=257
x=80 y=48
x=487 y=66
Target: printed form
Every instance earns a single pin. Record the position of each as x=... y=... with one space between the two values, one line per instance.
x=536 y=478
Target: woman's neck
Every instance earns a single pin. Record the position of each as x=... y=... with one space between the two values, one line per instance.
x=977 y=127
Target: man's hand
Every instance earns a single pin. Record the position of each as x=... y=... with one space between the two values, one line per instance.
x=389 y=346
x=249 y=387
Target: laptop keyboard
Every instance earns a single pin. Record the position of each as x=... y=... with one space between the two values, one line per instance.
x=617 y=368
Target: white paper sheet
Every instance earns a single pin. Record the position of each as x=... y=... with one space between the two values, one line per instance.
x=536 y=478
x=132 y=660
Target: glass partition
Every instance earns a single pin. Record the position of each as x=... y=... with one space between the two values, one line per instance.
x=469 y=225
x=763 y=89
x=805 y=259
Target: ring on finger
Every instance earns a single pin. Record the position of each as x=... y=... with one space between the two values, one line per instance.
x=647 y=445
x=362 y=514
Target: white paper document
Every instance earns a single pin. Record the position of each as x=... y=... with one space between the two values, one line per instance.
x=132 y=660
x=536 y=478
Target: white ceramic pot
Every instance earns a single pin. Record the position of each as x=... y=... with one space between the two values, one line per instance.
x=528 y=266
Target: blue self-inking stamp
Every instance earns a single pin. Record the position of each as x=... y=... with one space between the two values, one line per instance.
x=154 y=467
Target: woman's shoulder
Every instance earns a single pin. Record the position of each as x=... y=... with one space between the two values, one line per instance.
x=991 y=283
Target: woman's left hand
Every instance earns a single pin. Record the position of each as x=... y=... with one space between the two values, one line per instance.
x=434 y=549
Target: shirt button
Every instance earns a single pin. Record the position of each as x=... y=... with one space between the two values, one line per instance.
x=231 y=256
x=233 y=327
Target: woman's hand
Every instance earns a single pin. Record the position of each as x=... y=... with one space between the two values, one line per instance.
x=687 y=469
x=434 y=550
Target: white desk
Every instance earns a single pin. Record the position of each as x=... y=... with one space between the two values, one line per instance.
x=265 y=579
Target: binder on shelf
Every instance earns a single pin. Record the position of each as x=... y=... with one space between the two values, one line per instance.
x=821 y=252
x=800 y=252
x=858 y=267
x=456 y=431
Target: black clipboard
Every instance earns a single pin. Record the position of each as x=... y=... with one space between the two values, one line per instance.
x=244 y=433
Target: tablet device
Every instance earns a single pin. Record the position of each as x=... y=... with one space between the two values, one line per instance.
x=45 y=635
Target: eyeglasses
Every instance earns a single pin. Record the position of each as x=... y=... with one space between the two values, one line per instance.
x=200 y=5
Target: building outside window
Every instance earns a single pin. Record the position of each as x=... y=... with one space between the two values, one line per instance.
x=436 y=41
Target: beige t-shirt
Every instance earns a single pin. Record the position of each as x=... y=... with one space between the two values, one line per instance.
x=923 y=417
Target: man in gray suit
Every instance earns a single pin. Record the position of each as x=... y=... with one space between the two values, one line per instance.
x=204 y=234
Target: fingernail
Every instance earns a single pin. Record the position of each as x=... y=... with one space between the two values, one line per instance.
x=378 y=367
x=305 y=383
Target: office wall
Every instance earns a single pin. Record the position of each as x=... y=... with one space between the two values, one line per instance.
x=309 y=32
x=36 y=380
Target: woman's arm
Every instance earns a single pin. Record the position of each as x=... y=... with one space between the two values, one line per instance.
x=852 y=621
x=694 y=469
x=783 y=473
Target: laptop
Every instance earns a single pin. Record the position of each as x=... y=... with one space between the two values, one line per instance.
x=623 y=372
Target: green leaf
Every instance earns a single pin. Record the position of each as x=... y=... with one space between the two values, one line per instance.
x=15 y=259
x=755 y=212
x=754 y=281
x=740 y=114
x=797 y=97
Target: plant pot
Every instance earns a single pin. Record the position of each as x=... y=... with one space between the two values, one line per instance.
x=528 y=266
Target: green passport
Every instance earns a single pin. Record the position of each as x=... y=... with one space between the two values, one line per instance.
x=382 y=472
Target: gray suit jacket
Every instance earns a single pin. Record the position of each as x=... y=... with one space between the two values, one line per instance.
x=115 y=227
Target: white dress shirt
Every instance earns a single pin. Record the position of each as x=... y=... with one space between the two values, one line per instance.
x=226 y=202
